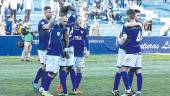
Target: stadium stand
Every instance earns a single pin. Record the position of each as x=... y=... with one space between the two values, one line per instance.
x=155 y=9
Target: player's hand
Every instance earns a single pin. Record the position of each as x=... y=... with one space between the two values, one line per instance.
x=122 y=39
x=87 y=54
x=66 y=55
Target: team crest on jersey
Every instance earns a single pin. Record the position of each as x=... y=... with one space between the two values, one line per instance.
x=82 y=31
x=42 y=23
x=58 y=33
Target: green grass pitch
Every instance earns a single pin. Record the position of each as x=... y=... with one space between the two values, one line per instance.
x=16 y=76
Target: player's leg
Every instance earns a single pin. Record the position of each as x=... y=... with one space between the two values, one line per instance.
x=46 y=83
x=71 y=68
x=124 y=75
x=139 y=76
x=129 y=61
x=59 y=88
x=79 y=63
x=131 y=75
x=116 y=83
x=63 y=76
x=78 y=79
x=41 y=71
x=52 y=68
x=139 y=82
x=62 y=87
x=121 y=54
x=73 y=77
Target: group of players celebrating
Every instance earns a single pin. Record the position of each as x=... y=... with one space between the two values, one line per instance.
x=129 y=55
x=63 y=45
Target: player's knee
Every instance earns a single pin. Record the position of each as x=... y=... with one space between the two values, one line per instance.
x=79 y=70
x=132 y=70
x=71 y=68
x=63 y=68
x=52 y=74
x=138 y=71
x=43 y=67
x=119 y=70
x=122 y=69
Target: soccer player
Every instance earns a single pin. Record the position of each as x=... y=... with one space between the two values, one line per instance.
x=44 y=28
x=137 y=68
x=67 y=65
x=81 y=50
x=54 y=54
x=132 y=48
x=121 y=55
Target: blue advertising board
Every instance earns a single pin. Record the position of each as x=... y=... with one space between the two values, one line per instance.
x=156 y=44
x=98 y=45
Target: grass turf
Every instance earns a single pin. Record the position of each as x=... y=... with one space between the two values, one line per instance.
x=16 y=76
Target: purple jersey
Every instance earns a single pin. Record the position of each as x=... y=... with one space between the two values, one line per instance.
x=132 y=44
x=44 y=35
x=80 y=41
x=55 y=44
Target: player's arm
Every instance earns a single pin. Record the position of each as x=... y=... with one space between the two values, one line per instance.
x=86 y=40
x=49 y=24
x=73 y=9
x=66 y=43
x=132 y=24
x=122 y=37
x=66 y=39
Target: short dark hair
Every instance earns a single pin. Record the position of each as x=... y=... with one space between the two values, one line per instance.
x=137 y=11
x=46 y=8
x=131 y=13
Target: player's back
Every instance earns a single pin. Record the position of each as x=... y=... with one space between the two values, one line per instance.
x=44 y=35
x=134 y=35
x=69 y=28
